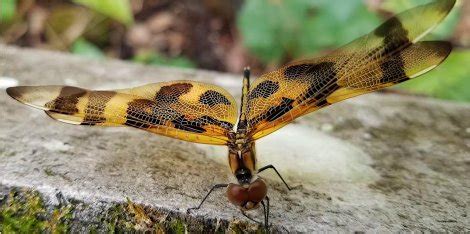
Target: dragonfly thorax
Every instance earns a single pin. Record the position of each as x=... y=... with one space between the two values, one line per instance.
x=242 y=158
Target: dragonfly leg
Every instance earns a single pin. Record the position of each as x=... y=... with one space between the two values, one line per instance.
x=266 y=214
x=207 y=195
x=272 y=167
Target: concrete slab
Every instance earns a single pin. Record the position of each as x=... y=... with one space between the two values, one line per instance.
x=381 y=162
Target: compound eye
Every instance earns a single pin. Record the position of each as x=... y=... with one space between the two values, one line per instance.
x=257 y=190
x=237 y=194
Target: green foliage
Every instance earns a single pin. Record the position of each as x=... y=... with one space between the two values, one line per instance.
x=84 y=48
x=451 y=80
x=119 y=10
x=7 y=10
x=177 y=226
x=59 y=23
x=269 y=27
x=156 y=59
x=275 y=29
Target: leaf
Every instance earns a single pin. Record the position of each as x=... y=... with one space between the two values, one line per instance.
x=119 y=10
x=448 y=81
x=7 y=10
x=86 y=49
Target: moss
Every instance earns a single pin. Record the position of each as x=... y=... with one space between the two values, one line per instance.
x=58 y=222
x=128 y=217
x=134 y=217
x=25 y=212
x=242 y=227
x=117 y=219
x=177 y=226
x=22 y=214
x=141 y=219
x=92 y=230
x=159 y=228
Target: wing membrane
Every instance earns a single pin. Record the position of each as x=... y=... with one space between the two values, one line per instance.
x=389 y=55
x=185 y=110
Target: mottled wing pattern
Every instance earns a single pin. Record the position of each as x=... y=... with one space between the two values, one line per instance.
x=185 y=110
x=389 y=55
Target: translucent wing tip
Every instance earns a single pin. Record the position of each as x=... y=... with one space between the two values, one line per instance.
x=12 y=91
x=446 y=48
x=449 y=4
x=16 y=92
x=35 y=96
x=444 y=5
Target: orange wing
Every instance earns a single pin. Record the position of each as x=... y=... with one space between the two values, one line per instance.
x=185 y=110
x=387 y=56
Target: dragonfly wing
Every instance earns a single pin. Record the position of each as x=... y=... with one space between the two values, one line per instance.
x=185 y=110
x=388 y=55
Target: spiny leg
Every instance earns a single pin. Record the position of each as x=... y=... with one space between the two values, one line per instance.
x=265 y=212
x=272 y=167
x=207 y=195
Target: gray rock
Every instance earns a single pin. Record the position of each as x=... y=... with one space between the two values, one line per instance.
x=380 y=162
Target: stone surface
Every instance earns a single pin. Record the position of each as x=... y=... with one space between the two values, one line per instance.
x=380 y=162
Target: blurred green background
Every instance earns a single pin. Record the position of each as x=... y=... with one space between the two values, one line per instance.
x=226 y=35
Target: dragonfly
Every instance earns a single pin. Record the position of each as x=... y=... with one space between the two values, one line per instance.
x=204 y=113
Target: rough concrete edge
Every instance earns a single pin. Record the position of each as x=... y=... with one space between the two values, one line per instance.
x=41 y=210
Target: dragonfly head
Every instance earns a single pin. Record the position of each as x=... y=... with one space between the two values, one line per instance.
x=247 y=196
x=243 y=175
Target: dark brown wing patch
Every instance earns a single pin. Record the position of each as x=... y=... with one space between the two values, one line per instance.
x=395 y=38
x=140 y=114
x=94 y=110
x=277 y=111
x=198 y=125
x=171 y=93
x=213 y=98
x=67 y=100
x=323 y=81
x=300 y=70
x=392 y=30
x=264 y=89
